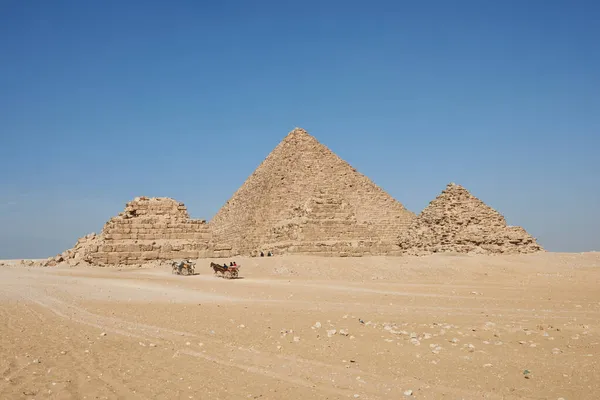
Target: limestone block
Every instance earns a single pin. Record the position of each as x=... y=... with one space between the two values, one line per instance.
x=114 y=258
x=150 y=255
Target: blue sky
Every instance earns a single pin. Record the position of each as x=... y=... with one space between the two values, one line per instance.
x=104 y=101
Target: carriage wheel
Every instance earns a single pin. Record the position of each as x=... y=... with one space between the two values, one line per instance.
x=185 y=271
x=228 y=274
x=235 y=274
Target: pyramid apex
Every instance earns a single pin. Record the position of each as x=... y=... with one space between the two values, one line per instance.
x=298 y=132
x=455 y=187
x=299 y=135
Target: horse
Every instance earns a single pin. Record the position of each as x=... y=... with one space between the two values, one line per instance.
x=226 y=272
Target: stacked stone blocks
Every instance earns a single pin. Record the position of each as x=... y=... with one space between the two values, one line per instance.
x=304 y=198
x=152 y=229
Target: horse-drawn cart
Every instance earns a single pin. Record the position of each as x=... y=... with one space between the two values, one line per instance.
x=183 y=267
x=228 y=272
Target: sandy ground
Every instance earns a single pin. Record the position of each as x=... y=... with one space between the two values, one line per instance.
x=439 y=327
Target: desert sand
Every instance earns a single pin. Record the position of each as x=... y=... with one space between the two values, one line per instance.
x=298 y=327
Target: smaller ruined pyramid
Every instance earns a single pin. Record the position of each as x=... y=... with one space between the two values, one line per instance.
x=304 y=199
x=457 y=221
x=150 y=229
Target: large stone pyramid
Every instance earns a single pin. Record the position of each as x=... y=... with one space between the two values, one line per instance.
x=305 y=199
x=456 y=221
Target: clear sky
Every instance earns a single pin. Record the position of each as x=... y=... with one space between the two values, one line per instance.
x=102 y=101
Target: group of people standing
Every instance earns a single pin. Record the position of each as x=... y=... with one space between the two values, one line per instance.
x=269 y=254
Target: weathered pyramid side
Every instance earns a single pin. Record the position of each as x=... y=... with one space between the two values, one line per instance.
x=305 y=199
x=457 y=221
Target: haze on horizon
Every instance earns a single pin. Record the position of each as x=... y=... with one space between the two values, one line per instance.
x=100 y=103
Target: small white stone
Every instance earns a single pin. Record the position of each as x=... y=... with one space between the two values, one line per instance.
x=408 y=392
x=103 y=334
x=317 y=324
x=296 y=339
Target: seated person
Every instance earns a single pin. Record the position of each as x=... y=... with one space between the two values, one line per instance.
x=234 y=264
x=225 y=265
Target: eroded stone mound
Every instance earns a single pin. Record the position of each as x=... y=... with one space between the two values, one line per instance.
x=457 y=221
x=304 y=199
x=149 y=229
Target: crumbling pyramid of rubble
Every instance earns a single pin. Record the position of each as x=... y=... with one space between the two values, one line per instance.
x=457 y=221
x=304 y=199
